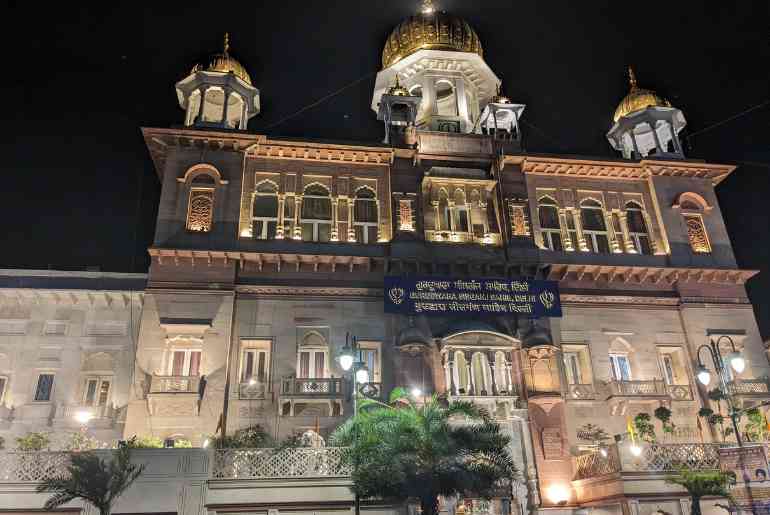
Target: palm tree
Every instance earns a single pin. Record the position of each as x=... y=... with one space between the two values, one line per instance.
x=92 y=479
x=404 y=450
x=702 y=483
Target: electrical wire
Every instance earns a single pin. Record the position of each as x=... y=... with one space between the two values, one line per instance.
x=320 y=101
x=729 y=119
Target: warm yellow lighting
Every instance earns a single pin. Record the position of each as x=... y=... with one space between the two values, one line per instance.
x=252 y=381
x=416 y=392
x=635 y=450
x=83 y=417
x=206 y=443
x=246 y=233
x=558 y=494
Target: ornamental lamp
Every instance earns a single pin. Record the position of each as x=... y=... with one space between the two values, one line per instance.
x=362 y=375
x=737 y=361
x=704 y=376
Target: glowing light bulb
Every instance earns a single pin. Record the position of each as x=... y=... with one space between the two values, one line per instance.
x=416 y=392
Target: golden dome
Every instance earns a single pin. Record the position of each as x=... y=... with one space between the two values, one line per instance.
x=638 y=99
x=430 y=30
x=225 y=63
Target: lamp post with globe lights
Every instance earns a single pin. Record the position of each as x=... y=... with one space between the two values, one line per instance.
x=737 y=363
x=350 y=361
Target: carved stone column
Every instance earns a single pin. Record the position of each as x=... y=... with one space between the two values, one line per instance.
x=297 y=208
x=582 y=244
x=566 y=238
x=225 y=106
x=628 y=243
x=492 y=363
x=436 y=219
x=379 y=221
x=469 y=368
x=650 y=236
x=334 y=232
x=279 y=228
x=611 y=235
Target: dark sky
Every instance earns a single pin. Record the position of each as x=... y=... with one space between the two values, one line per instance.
x=78 y=82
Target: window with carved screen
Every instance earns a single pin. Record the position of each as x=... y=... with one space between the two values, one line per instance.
x=696 y=233
x=200 y=208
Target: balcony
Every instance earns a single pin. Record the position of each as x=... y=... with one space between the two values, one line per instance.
x=463 y=237
x=101 y=416
x=174 y=396
x=174 y=384
x=621 y=471
x=312 y=397
x=499 y=403
x=580 y=392
x=757 y=388
x=253 y=391
x=679 y=392
x=654 y=389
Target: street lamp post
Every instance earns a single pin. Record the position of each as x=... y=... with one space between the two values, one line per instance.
x=350 y=360
x=736 y=362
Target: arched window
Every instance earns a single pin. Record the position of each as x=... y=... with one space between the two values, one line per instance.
x=265 y=212
x=482 y=374
x=460 y=212
x=365 y=219
x=594 y=226
x=637 y=228
x=213 y=102
x=446 y=98
x=550 y=228
x=461 y=379
x=316 y=214
x=312 y=358
x=693 y=206
x=442 y=224
x=200 y=207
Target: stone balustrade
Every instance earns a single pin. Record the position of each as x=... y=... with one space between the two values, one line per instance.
x=284 y=464
x=174 y=384
x=651 y=388
x=760 y=387
x=332 y=387
x=652 y=458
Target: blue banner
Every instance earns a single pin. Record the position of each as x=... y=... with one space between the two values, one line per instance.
x=471 y=297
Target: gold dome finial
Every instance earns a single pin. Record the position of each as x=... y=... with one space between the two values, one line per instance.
x=224 y=63
x=632 y=78
x=638 y=99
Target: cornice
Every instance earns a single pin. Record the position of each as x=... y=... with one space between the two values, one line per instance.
x=623 y=170
x=648 y=274
x=91 y=298
x=310 y=291
x=319 y=152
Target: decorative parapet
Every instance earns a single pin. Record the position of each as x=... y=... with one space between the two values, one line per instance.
x=654 y=459
x=325 y=462
x=35 y=467
x=749 y=387
x=174 y=384
x=653 y=388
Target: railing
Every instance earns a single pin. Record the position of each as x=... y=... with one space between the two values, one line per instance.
x=679 y=392
x=463 y=237
x=296 y=387
x=596 y=464
x=580 y=391
x=371 y=391
x=653 y=388
x=70 y=411
x=174 y=384
x=654 y=458
x=249 y=391
x=749 y=387
x=32 y=466
x=272 y=464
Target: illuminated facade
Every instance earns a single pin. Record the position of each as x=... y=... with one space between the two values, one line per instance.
x=268 y=252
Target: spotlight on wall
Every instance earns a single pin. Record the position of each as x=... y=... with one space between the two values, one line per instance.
x=83 y=417
x=635 y=450
x=558 y=494
x=416 y=392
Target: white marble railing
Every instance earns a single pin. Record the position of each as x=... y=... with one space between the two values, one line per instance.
x=332 y=387
x=749 y=387
x=652 y=458
x=174 y=384
x=34 y=467
x=653 y=387
x=271 y=464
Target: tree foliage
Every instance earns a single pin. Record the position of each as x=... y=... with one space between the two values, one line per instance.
x=408 y=450
x=702 y=483
x=93 y=479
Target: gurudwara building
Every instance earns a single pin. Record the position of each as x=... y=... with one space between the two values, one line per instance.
x=269 y=252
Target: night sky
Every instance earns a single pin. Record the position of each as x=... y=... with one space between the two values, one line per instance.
x=79 y=82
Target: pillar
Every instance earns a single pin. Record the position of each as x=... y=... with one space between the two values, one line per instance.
x=203 y=91
x=655 y=136
x=566 y=239
x=611 y=235
x=582 y=245
x=225 y=106
x=628 y=244
x=351 y=230
x=334 y=232
x=297 y=208
x=492 y=362
x=279 y=229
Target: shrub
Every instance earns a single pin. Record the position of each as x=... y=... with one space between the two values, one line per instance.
x=33 y=442
x=144 y=442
